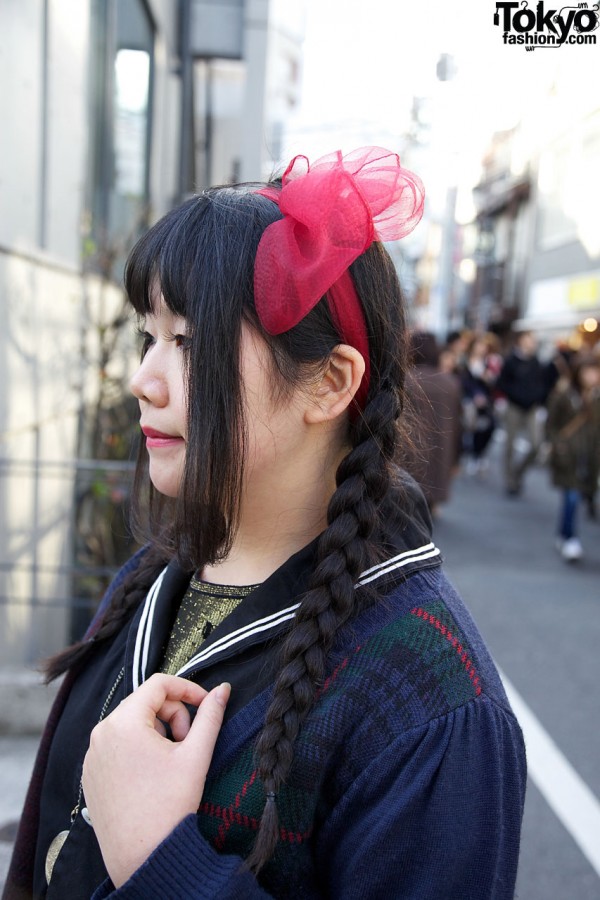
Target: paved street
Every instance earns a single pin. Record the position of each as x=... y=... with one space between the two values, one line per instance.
x=541 y=619
x=16 y=760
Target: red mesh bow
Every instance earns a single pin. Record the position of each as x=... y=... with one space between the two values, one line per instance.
x=332 y=212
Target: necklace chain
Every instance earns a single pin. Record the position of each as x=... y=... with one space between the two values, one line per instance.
x=103 y=711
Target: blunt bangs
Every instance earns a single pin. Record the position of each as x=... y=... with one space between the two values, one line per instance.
x=163 y=256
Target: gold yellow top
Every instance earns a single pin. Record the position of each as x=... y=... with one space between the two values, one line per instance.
x=203 y=607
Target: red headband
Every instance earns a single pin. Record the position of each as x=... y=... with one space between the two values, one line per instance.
x=332 y=212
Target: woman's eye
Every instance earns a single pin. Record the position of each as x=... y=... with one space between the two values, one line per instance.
x=182 y=341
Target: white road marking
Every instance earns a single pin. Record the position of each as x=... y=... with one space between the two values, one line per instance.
x=563 y=789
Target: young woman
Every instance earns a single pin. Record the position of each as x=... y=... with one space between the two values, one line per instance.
x=285 y=696
x=573 y=431
x=478 y=379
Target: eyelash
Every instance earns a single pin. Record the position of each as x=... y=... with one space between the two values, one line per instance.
x=183 y=341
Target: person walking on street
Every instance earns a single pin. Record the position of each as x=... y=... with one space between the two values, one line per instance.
x=282 y=695
x=573 y=431
x=435 y=406
x=526 y=383
x=478 y=381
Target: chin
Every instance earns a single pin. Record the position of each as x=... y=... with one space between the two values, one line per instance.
x=167 y=483
x=166 y=489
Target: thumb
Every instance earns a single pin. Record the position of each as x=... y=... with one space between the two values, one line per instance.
x=204 y=731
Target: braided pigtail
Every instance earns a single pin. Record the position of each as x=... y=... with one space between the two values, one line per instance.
x=345 y=550
x=126 y=597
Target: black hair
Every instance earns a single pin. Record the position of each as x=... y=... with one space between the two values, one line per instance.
x=201 y=256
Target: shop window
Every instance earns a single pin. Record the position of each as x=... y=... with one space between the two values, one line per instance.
x=120 y=146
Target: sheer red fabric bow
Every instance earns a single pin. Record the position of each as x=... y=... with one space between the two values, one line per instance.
x=332 y=212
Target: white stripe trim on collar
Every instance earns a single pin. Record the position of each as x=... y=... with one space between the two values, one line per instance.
x=398 y=562
x=144 y=632
x=403 y=555
x=241 y=634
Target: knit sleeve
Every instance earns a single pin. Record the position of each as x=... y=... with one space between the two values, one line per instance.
x=185 y=867
x=436 y=813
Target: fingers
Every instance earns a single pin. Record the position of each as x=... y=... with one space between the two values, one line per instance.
x=205 y=728
x=162 y=699
x=176 y=715
x=163 y=696
x=159 y=688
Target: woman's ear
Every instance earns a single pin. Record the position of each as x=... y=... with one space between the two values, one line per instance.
x=337 y=386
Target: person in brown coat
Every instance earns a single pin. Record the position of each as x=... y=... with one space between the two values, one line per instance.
x=573 y=431
x=436 y=411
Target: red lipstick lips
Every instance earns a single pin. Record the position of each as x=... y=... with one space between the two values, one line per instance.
x=156 y=439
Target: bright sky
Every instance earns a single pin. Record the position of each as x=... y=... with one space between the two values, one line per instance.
x=365 y=60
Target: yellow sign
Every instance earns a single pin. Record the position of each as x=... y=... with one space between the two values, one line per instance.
x=584 y=293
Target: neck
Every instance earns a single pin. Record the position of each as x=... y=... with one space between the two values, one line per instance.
x=283 y=509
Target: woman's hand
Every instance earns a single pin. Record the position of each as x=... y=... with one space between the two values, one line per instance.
x=139 y=785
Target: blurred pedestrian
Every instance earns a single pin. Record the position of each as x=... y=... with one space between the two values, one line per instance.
x=478 y=381
x=436 y=400
x=447 y=362
x=526 y=383
x=452 y=354
x=573 y=431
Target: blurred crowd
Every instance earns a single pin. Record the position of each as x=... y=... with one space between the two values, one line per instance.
x=546 y=411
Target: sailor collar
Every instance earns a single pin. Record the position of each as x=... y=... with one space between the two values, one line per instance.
x=262 y=616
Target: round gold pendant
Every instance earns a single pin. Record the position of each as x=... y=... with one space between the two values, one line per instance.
x=53 y=851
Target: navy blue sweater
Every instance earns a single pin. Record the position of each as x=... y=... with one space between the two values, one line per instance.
x=408 y=778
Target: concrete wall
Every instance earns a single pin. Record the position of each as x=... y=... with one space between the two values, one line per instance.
x=43 y=61
x=39 y=407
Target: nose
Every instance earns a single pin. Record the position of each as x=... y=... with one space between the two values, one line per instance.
x=149 y=384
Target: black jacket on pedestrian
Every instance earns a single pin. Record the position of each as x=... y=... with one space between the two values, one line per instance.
x=525 y=381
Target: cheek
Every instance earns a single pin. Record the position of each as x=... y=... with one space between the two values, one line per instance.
x=179 y=401
x=183 y=420
x=263 y=442
x=275 y=439
x=166 y=472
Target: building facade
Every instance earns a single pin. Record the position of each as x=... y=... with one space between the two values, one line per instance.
x=538 y=244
